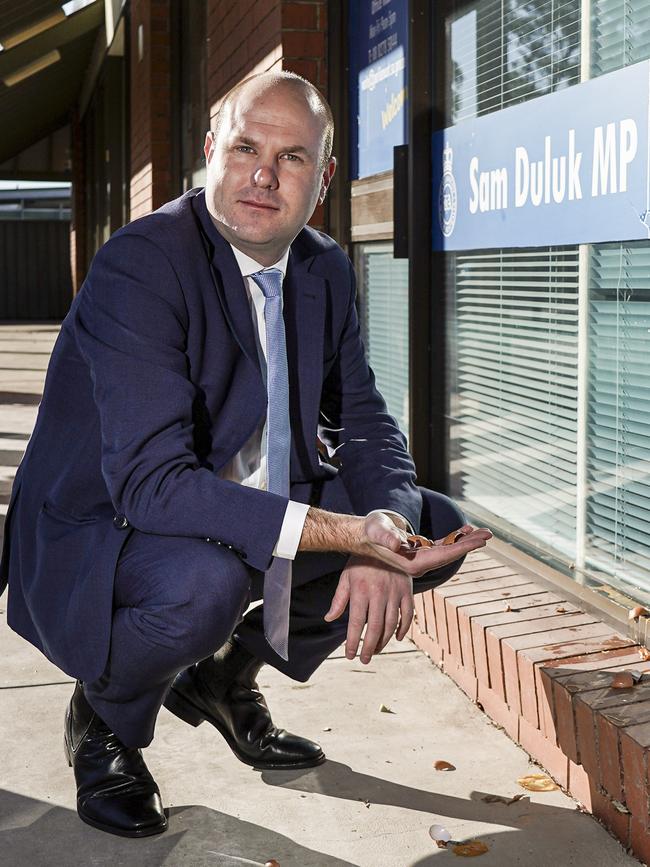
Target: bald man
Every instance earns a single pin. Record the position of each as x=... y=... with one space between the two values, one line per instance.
x=225 y=443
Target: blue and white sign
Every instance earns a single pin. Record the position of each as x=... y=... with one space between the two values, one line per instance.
x=378 y=120
x=568 y=168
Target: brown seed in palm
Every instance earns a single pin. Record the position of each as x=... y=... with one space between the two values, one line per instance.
x=272 y=863
x=420 y=541
x=452 y=537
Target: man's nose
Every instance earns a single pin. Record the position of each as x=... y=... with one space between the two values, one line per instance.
x=265 y=176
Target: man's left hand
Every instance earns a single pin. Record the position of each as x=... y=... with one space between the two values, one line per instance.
x=379 y=596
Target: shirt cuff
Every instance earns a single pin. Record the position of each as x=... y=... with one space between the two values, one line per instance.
x=409 y=528
x=291 y=530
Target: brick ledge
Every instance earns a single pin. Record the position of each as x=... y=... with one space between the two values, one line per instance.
x=541 y=667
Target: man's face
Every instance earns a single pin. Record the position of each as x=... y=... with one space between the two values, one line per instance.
x=264 y=172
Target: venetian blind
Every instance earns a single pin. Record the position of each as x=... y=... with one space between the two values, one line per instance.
x=516 y=389
x=620 y=34
x=385 y=309
x=618 y=442
x=506 y=51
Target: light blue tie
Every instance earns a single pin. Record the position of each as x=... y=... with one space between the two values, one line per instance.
x=277 y=580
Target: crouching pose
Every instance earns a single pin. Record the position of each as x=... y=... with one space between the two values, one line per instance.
x=210 y=434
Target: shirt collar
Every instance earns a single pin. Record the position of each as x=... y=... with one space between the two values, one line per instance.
x=249 y=266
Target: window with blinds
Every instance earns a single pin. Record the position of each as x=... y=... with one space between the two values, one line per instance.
x=620 y=34
x=618 y=442
x=515 y=397
x=502 y=52
x=514 y=313
x=384 y=316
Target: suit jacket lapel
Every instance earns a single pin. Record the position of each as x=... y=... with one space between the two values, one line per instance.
x=228 y=282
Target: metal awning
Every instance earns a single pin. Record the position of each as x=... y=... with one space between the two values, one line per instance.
x=43 y=63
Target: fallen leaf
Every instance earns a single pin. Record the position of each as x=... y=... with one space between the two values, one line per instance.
x=537 y=783
x=384 y=709
x=500 y=799
x=622 y=680
x=442 y=765
x=620 y=807
x=561 y=610
x=469 y=849
x=327 y=729
x=508 y=608
x=644 y=653
x=272 y=863
x=637 y=611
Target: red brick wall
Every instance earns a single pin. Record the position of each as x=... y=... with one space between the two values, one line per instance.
x=243 y=38
x=150 y=107
x=304 y=40
x=542 y=668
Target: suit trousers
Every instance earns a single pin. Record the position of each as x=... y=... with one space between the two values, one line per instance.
x=177 y=599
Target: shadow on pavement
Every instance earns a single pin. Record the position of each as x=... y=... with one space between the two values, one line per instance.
x=340 y=781
x=34 y=833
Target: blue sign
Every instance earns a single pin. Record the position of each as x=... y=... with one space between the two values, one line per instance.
x=378 y=52
x=572 y=167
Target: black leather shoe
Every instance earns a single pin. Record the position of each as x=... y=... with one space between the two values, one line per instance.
x=222 y=690
x=115 y=791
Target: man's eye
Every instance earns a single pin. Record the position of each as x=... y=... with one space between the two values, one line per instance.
x=246 y=149
x=292 y=158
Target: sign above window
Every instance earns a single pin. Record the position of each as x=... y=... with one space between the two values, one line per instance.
x=571 y=167
x=378 y=31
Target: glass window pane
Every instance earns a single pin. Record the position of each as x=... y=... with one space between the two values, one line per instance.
x=620 y=34
x=383 y=292
x=513 y=413
x=618 y=446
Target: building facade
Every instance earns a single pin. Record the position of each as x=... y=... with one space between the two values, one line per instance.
x=529 y=387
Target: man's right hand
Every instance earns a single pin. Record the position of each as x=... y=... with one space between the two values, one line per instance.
x=381 y=539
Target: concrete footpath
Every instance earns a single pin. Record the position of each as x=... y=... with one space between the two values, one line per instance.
x=370 y=805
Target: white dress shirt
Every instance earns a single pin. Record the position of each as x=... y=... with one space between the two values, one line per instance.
x=248 y=466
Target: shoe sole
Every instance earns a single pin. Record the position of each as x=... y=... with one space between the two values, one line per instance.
x=111 y=829
x=184 y=709
x=119 y=832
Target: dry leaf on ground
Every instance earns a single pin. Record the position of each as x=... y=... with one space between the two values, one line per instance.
x=538 y=783
x=384 y=709
x=644 y=653
x=637 y=611
x=469 y=849
x=442 y=765
x=491 y=799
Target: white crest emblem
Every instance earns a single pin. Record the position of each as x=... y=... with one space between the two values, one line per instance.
x=447 y=195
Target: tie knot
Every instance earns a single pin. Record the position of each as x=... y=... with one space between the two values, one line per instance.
x=270 y=281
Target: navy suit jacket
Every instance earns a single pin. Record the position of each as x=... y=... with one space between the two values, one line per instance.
x=153 y=385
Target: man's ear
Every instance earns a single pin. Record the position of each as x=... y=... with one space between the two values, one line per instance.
x=208 y=145
x=326 y=179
